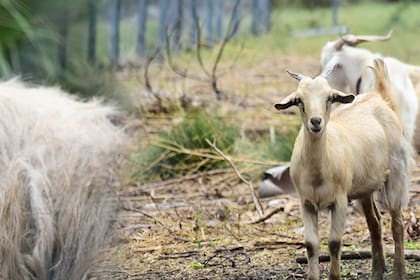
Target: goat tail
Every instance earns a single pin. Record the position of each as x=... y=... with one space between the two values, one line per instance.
x=58 y=163
x=383 y=85
x=395 y=195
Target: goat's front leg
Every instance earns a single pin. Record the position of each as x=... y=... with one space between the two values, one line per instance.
x=338 y=218
x=310 y=223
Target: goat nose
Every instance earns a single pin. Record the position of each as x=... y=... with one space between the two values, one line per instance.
x=315 y=121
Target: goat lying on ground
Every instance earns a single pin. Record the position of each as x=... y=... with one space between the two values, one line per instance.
x=349 y=153
x=344 y=66
x=58 y=160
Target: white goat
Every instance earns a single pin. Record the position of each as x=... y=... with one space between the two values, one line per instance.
x=344 y=66
x=58 y=160
x=349 y=153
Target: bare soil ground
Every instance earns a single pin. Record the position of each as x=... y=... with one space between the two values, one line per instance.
x=203 y=226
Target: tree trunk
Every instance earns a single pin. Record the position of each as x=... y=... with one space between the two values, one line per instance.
x=194 y=21
x=261 y=12
x=163 y=22
x=114 y=38
x=219 y=19
x=209 y=21
x=92 y=32
x=236 y=16
x=176 y=24
x=63 y=30
x=141 y=28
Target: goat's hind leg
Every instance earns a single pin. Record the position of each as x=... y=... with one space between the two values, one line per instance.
x=373 y=219
x=398 y=236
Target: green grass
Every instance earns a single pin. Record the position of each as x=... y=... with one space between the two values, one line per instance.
x=412 y=245
x=173 y=153
x=364 y=18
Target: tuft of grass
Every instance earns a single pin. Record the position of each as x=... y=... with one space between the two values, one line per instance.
x=179 y=151
x=196 y=265
x=412 y=245
x=262 y=148
x=282 y=147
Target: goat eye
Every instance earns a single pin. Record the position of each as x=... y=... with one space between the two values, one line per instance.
x=300 y=104
x=329 y=102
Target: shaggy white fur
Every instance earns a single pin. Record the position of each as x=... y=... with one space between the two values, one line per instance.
x=58 y=161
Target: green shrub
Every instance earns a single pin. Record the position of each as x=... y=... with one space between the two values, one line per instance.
x=180 y=151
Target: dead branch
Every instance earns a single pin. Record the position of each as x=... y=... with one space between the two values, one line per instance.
x=198 y=42
x=268 y=216
x=178 y=255
x=147 y=78
x=360 y=255
x=231 y=30
x=212 y=76
x=174 y=147
x=126 y=208
x=248 y=183
x=275 y=244
x=143 y=189
x=183 y=73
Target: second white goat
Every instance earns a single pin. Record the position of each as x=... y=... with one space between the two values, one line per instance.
x=344 y=66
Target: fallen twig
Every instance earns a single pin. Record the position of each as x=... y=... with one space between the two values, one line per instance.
x=139 y=190
x=178 y=255
x=126 y=208
x=174 y=147
x=360 y=255
x=268 y=216
x=248 y=183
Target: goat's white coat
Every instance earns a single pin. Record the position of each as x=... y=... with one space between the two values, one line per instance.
x=58 y=158
x=347 y=65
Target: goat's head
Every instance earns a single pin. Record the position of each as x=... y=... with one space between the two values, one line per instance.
x=314 y=98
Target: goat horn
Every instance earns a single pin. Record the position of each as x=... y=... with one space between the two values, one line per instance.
x=328 y=72
x=296 y=75
x=353 y=40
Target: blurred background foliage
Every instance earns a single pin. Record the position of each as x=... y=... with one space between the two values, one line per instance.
x=50 y=42
x=47 y=41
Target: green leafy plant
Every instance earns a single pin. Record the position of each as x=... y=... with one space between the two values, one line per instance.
x=412 y=245
x=196 y=265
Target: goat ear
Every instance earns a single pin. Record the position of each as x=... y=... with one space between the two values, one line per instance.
x=342 y=97
x=287 y=102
